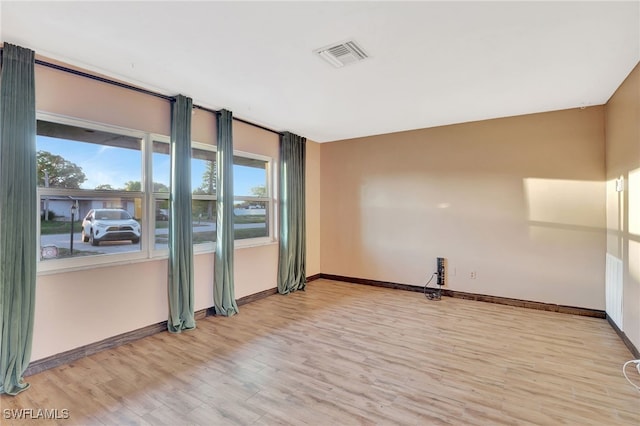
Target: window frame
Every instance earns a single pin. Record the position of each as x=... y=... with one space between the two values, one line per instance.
x=153 y=196
x=147 y=199
x=270 y=199
x=95 y=261
x=209 y=247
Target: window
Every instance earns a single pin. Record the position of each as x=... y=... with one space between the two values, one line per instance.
x=203 y=198
x=82 y=170
x=252 y=196
x=104 y=194
x=160 y=178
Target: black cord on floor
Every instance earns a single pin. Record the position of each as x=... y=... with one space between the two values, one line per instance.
x=431 y=296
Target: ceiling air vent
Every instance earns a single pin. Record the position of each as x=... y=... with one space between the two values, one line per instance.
x=342 y=54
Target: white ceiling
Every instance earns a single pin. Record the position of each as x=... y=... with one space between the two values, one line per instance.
x=432 y=63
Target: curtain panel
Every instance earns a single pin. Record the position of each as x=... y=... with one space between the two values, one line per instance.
x=291 y=262
x=224 y=292
x=180 y=279
x=18 y=215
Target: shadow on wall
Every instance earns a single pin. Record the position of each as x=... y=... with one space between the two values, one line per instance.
x=623 y=220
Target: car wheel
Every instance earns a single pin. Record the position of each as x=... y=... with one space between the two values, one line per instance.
x=85 y=239
x=93 y=241
x=135 y=241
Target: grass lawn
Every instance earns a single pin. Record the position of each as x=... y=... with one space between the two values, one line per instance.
x=204 y=237
x=240 y=234
x=58 y=227
x=249 y=219
x=163 y=224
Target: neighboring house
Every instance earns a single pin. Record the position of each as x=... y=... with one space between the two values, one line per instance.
x=61 y=206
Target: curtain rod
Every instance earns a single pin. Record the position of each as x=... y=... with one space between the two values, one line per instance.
x=136 y=89
x=104 y=80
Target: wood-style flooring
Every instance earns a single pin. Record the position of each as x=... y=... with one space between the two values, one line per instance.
x=343 y=354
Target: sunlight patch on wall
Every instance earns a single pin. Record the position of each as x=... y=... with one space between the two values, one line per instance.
x=565 y=202
x=633 y=187
x=615 y=204
x=634 y=260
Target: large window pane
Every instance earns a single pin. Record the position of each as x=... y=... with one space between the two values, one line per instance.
x=85 y=177
x=101 y=225
x=203 y=186
x=249 y=177
x=77 y=158
x=251 y=197
x=161 y=167
x=203 y=172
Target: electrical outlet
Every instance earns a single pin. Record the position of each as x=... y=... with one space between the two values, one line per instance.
x=473 y=275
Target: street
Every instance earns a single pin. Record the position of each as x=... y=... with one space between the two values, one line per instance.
x=111 y=247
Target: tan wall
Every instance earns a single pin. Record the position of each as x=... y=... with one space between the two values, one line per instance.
x=77 y=97
x=517 y=200
x=256 y=268
x=76 y=308
x=313 y=207
x=204 y=127
x=623 y=208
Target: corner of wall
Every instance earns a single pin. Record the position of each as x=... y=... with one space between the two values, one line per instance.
x=313 y=207
x=622 y=153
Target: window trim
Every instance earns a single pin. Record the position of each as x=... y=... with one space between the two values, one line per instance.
x=151 y=239
x=148 y=198
x=89 y=262
x=270 y=199
x=209 y=247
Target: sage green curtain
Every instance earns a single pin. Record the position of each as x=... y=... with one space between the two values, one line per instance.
x=291 y=264
x=18 y=215
x=181 y=307
x=224 y=294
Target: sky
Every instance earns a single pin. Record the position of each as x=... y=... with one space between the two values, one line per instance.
x=114 y=166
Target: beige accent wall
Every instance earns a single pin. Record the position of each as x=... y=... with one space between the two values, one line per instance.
x=312 y=188
x=256 y=268
x=518 y=201
x=77 y=97
x=623 y=208
x=76 y=308
x=204 y=127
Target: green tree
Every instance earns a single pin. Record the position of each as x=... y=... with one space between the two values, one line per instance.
x=105 y=187
x=259 y=191
x=57 y=172
x=135 y=185
x=208 y=185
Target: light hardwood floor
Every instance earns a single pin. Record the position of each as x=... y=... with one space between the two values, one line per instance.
x=342 y=354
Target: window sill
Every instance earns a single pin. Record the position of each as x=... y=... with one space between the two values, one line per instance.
x=158 y=256
x=74 y=268
x=257 y=242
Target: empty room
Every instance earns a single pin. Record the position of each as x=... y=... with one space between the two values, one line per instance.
x=259 y=213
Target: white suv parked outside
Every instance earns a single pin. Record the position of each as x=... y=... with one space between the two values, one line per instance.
x=109 y=225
